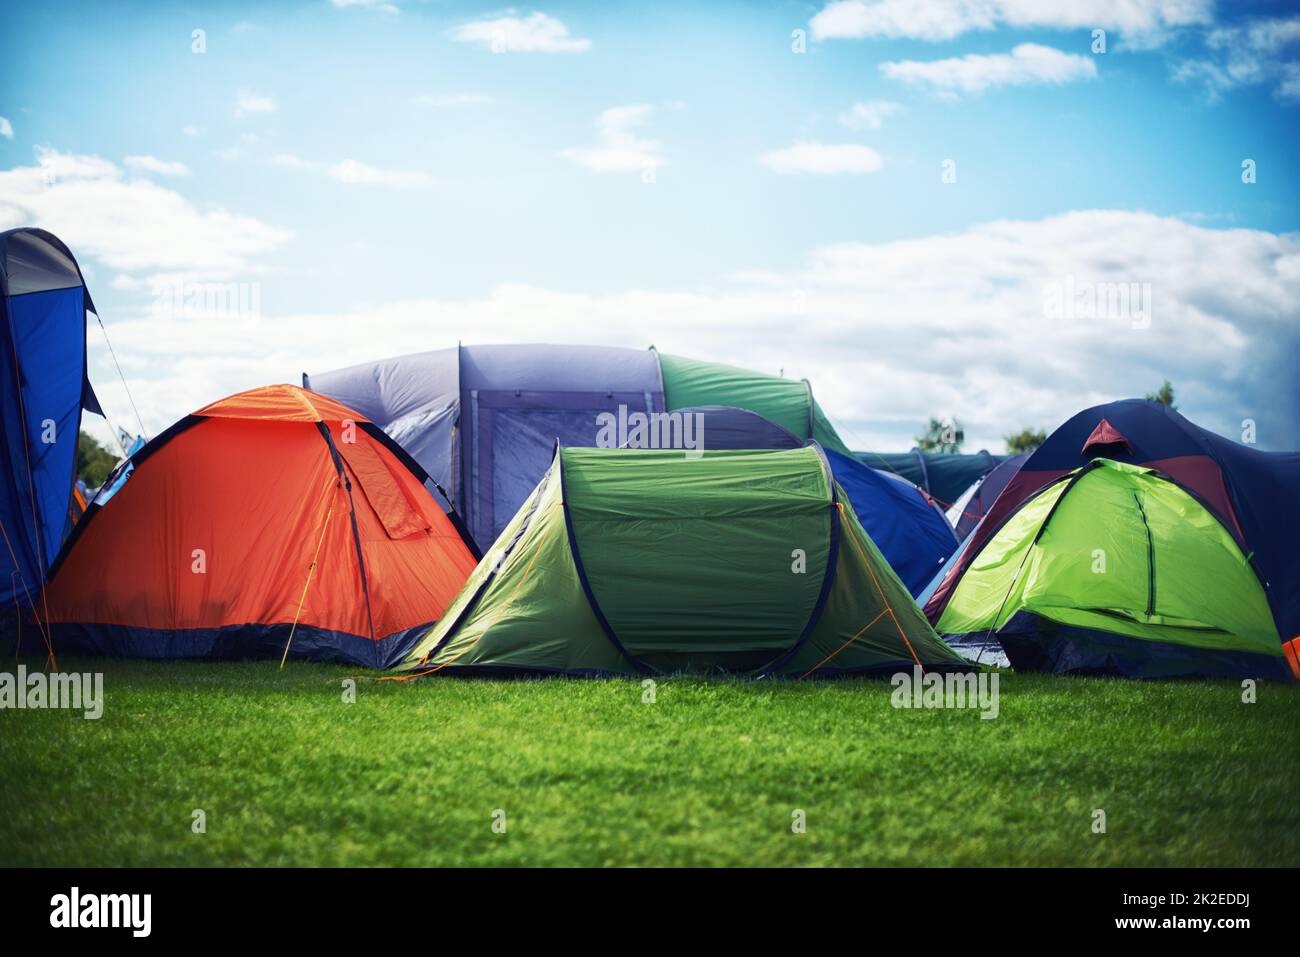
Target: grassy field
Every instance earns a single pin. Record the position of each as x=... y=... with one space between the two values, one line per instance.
x=588 y=774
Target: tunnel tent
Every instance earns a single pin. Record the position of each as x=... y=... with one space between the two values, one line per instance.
x=1117 y=569
x=273 y=522
x=635 y=562
x=482 y=419
x=788 y=403
x=43 y=307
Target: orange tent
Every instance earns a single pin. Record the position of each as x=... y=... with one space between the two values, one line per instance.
x=273 y=519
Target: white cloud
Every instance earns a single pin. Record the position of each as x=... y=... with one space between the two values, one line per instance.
x=1261 y=51
x=619 y=150
x=382 y=6
x=536 y=33
x=293 y=162
x=888 y=333
x=152 y=164
x=823 y=159
x=191 y=130
x=870 y=115
x=249 y=103
x=1142 y=22
x=6 y=128
x=449 y=100
x=131 y=225
x=1027 y=63
x=353 y=172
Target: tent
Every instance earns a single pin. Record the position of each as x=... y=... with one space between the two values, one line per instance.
x=1252 y=493
x=911 y=533
x=483 y=420
x=43 y=306
x=942 y=475
x=975 y=502
x=269 y=515
x=1118 y=569
x=637 y=561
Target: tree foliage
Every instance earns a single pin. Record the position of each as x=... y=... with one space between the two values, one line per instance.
x=941 y=435
x=1026 y=440
x=94 y=460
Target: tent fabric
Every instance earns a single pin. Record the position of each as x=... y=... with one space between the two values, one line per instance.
x=979 y=498
x=636 y=561
x=1254 y=494
x=788 y=403
x=483 y=420
x=912 y=534
x=415 y=399
x=942 y=475
x=1116 y=569
x=727 y=427
x=43 y=305
x=1105 y=435
x=243 y=513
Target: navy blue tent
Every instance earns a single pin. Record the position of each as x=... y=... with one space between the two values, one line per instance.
x=975 y=502
x=43 y=370
x=1254 y=494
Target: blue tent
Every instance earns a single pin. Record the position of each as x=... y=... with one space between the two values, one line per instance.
x=43 y=306
x=907 y=527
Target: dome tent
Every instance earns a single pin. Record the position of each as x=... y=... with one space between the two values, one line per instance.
x=1254 y=494
x=43 y=307
x=632 y=561
x=1117 y=569
x=976 y=501
x=269 y=514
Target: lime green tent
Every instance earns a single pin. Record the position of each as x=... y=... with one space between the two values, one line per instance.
x=1116 y=569
x=789 y=403
x=629 y=561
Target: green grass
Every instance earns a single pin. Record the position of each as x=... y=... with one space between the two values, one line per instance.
x=589 y=775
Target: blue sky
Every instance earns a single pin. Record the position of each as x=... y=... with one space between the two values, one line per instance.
x=389 y=182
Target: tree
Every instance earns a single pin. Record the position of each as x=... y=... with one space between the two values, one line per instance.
x=94 y=461
x=1026 y=440
x=941 y=435
x=1164 y=395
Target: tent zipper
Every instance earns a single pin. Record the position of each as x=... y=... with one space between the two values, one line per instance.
x=1151 y=559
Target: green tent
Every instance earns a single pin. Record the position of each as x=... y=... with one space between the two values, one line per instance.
x=1116 y=569
x=630 y=561
x=690 y=383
